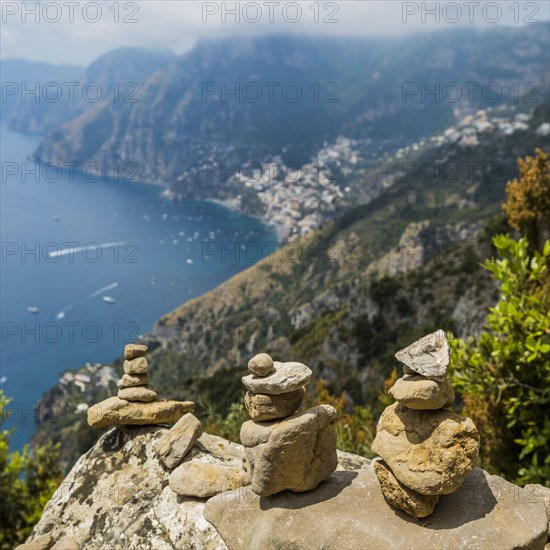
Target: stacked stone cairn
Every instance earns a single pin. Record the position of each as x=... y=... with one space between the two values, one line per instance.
x=285 y=449
x=426 y=450
x=134 y=384
x=137 y=402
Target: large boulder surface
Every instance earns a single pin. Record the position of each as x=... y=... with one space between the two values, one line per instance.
x=349 y=511
x=116 y=497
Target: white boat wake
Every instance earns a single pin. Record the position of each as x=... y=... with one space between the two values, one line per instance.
x=102 y=290
x=90 y=246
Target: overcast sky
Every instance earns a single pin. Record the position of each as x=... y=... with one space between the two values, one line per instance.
x=77 y=32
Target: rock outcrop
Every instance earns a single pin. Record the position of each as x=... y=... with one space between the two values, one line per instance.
x=117 y=495
x=288 y=487
x=348 y=511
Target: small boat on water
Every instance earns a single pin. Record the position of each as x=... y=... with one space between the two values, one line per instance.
x=56 y=218
x=109 y=300
x=33 y=309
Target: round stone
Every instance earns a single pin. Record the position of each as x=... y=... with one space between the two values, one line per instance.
x=137 y=393
x=132 y=380
x=131 y=351
x=286 y=377
x=261 y=364
x=421 y=393
x=139 y=365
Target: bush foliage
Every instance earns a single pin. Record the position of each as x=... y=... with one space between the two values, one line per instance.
x=27 y=481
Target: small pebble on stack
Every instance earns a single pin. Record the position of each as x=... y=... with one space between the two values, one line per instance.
x=426 y=450
x=285 y=449
x=134 y=384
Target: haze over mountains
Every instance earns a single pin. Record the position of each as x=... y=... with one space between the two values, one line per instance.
x=190 y=121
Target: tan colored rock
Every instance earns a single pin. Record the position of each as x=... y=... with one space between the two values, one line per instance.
x=262 y=407
x=430 y=452
x=66 y=543
x=174 y=445
x=221 y=448
x=139 y=365
x=132 y=380
x=421 y=393
x=286 y=377
x=348 y=511
x=296 y=453
x=137 y=393
x=43 y=542
x=429 y=356
x=118 y=412
x=131 y=351
x=401 y=497
x=203 y=480
x=261 y=364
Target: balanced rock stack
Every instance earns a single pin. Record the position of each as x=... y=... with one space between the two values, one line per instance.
x=285 y=449
x=134 y=384
x=136 y=402
x=426 y=450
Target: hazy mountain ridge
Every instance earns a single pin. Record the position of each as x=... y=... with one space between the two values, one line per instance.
x=182 y=121
x=64 y=95
x=20 y=75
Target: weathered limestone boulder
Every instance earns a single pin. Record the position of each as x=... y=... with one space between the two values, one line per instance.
x=118 y=412
x=199 y=479
x=178 y=440
x=260 y=365
x=137 y=393
x=132 y=380
x=431 y=452
x=286 y=377
x=421 y=393
x=131 y=351
x=140 y=365
x=262 y=407
x=429 y=356
x=117 y=497
x=296 y=453
x=349 y=511
x=403 y=498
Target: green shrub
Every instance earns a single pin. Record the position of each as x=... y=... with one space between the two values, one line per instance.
x=503 y=374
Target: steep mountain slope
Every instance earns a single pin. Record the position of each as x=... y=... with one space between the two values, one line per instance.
x=115 y=77
x=351 y=87
x=345 y=296
x=334 y=275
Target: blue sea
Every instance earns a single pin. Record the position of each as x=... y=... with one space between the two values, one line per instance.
x=69 y=241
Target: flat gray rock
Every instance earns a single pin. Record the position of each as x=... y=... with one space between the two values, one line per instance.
x=349 y=511
x=429 y=356
x=285 y=378
x=174 y=445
